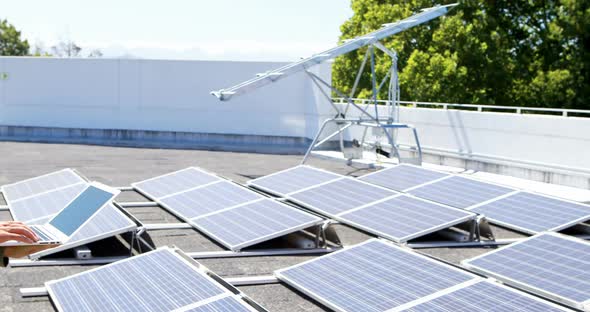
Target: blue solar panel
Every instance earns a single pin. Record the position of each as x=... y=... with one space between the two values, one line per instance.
x=373 y=276
x=340 y=196
x=157 y=281
x=532 y=213
x=293 y=180
x=175 y=182
x=37 y=185
x=485 y=296
x=460 y=192
x=552 y=265
x=403 y=217
x=258 y=221
x=207 y=199
x=402 y=177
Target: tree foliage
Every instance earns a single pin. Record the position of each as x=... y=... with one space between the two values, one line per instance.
x=10 y=41
x=524 y=53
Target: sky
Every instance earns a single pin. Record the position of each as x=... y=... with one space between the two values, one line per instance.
x=256 y=30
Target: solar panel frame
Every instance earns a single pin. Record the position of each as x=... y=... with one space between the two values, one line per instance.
x=368 y=177
x=585 y=305
x=193 y=265
x=468 y=216
x=237 y=247
x=414 y=190
x=448 y=297
x=280 y=273
x=528 y=230
x=137 y=185
x=253 y=184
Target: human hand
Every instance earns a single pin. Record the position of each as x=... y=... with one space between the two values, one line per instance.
x=23 y=251
x=17 y=231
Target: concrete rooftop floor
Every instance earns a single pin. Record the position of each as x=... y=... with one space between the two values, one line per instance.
x=118 y=166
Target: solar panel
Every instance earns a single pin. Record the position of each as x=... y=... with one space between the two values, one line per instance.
x=402 y=177
x=255 y=222
x=40 y=184
x=532 y=213
x=235 y=216
x=484 y=296
x=339 y=196
x=403 y=218
x=372 y=276
x=160 y=280
x=460 y=192
x=207 y=199
x=551 y=265
x=174 y=182
x=292 y=180
x=37 y=209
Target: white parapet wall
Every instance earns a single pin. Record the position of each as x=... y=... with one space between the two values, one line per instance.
x=155 y=96
x=548 y=148
x=107 y=101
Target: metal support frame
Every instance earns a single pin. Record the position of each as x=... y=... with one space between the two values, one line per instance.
x=167 y=226
x=195 y=255
x=234 y=281
x=138 y=204
x=387 y=124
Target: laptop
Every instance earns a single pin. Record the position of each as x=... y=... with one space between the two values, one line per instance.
x=72 y=217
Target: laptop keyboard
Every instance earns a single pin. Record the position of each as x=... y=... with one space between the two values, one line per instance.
x=41 y=234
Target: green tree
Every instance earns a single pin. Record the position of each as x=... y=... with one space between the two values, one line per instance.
x=10 y=41
x=532 y=53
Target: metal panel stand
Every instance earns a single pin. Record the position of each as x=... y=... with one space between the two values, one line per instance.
x=387 y=125
x=320 y=239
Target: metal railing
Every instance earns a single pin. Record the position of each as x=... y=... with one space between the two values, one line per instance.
x=478 y=107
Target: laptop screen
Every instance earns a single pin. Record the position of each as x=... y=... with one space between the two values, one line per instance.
x=80 y=209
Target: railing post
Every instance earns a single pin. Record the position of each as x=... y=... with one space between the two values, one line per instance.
x=479 y=108
x=519 y=111
x=415 y=105
x=564 y=113
x=445 y=106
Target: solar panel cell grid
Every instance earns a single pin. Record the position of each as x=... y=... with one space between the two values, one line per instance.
x=532 y=213
x=460 y=192
x=402 y=177
x=157 y=281
x=340 y=196
x=175 y=182
x=549 y=264
x=372 y=276
x=293 y=180
x=40 y=184
x=403 y=217
x=208 y=199
x=47 y=204
x=486 y=297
